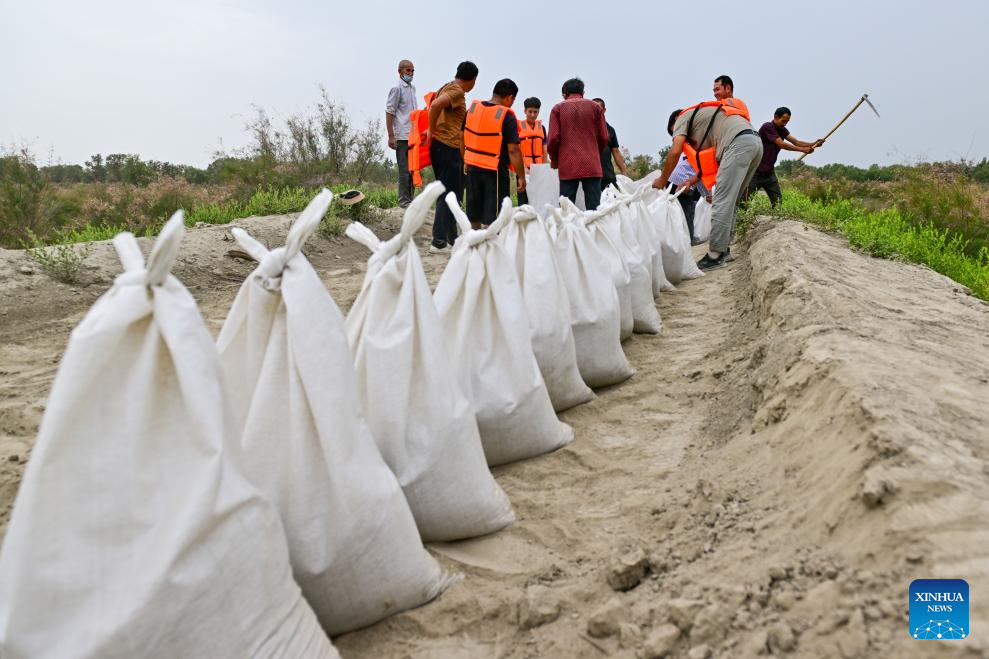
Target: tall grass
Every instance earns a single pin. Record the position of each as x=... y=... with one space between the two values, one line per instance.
x=279 y=201
x=887 y=233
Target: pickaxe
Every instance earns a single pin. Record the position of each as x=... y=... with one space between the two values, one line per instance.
x=865 y=98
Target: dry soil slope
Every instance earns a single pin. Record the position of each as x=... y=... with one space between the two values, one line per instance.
x=806 y=437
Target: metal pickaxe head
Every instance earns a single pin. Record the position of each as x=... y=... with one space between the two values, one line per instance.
x=865 y=97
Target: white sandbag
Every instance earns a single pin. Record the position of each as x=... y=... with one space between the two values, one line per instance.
x=643 y=233
x=353 y=542
x=678 y=259
x=489 y=347
x=678 y=220
x=648 y=235
x=619 y=225
x=702 y=219
x=530 y=248
x=134 y=533
x=629 y=186
x=420 y=420
x=620 y=274
x=595 y=311
x=542 y=187
x=579 y=198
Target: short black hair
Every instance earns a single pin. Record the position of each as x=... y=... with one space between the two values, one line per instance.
x=726 y=81
x=532 y=102
x=505 y=87
x=780 y=111
x=673 y=120
x=573 y=86
x=601 y=101
x=466 y=71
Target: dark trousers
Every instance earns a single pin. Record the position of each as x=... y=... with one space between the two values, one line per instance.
x=448 y=168
x=688 y=202
x=591 y=187
x=768 y=182
x=404 y=177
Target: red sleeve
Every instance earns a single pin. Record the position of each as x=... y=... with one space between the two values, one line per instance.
x=602 y=130
x=553 y=144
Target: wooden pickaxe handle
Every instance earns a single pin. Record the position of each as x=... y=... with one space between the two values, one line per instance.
x=843 y=119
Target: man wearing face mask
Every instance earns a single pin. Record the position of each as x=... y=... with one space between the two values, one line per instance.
x=401 y=102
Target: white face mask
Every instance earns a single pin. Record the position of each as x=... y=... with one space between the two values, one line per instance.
x=407 y=78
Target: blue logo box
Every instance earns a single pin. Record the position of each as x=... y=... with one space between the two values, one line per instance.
x=939 y=609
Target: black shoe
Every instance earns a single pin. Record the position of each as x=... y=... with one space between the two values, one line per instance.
x=707 y=263
x=694 y=242
x=728 y=257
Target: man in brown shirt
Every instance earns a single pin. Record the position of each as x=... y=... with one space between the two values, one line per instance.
x=446 y=149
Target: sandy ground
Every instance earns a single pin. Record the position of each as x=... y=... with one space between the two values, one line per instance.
x=808 y=435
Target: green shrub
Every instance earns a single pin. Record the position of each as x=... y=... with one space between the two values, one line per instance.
x=62 y=262
x=887 y=233
x=331 y=225
x=29 y=205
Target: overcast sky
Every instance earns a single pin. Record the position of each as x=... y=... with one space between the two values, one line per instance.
x=170 y=80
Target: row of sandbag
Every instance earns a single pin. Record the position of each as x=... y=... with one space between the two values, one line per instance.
x=159 y=521
x=179 y=495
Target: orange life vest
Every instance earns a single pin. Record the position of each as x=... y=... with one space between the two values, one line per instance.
x=418 y=146
x=482 y=134
x=531 y=142
x=704 y=162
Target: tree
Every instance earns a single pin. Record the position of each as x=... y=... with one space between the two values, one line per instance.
x=95 y=170
x=367 y=148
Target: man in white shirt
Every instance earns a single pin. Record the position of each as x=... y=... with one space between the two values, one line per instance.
x=401 y=102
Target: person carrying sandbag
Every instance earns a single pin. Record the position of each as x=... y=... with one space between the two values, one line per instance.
x=723 y=149
x=684 y=176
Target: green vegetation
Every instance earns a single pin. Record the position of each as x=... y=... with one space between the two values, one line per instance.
x=279 y=170
x=886 y=233
x=62 y=262
x=933 y=213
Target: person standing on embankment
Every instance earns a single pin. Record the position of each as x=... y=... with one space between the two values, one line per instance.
x=446 y=150
x=398 y=108
x=773 y=133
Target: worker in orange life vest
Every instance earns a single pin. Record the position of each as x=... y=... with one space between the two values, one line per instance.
x=724 y=88
x=724 y=150
x=532 y=139
x=491 y=141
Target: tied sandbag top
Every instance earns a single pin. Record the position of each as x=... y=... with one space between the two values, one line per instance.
x=271 y=263
x=160 y=261
x=473 y=237
x=413 y=220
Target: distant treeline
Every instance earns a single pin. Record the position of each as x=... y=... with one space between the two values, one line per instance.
x=975 y=171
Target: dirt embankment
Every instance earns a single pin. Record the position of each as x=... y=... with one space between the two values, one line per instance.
x=805 y=438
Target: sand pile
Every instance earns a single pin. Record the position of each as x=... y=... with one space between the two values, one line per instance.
x=805 y=438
